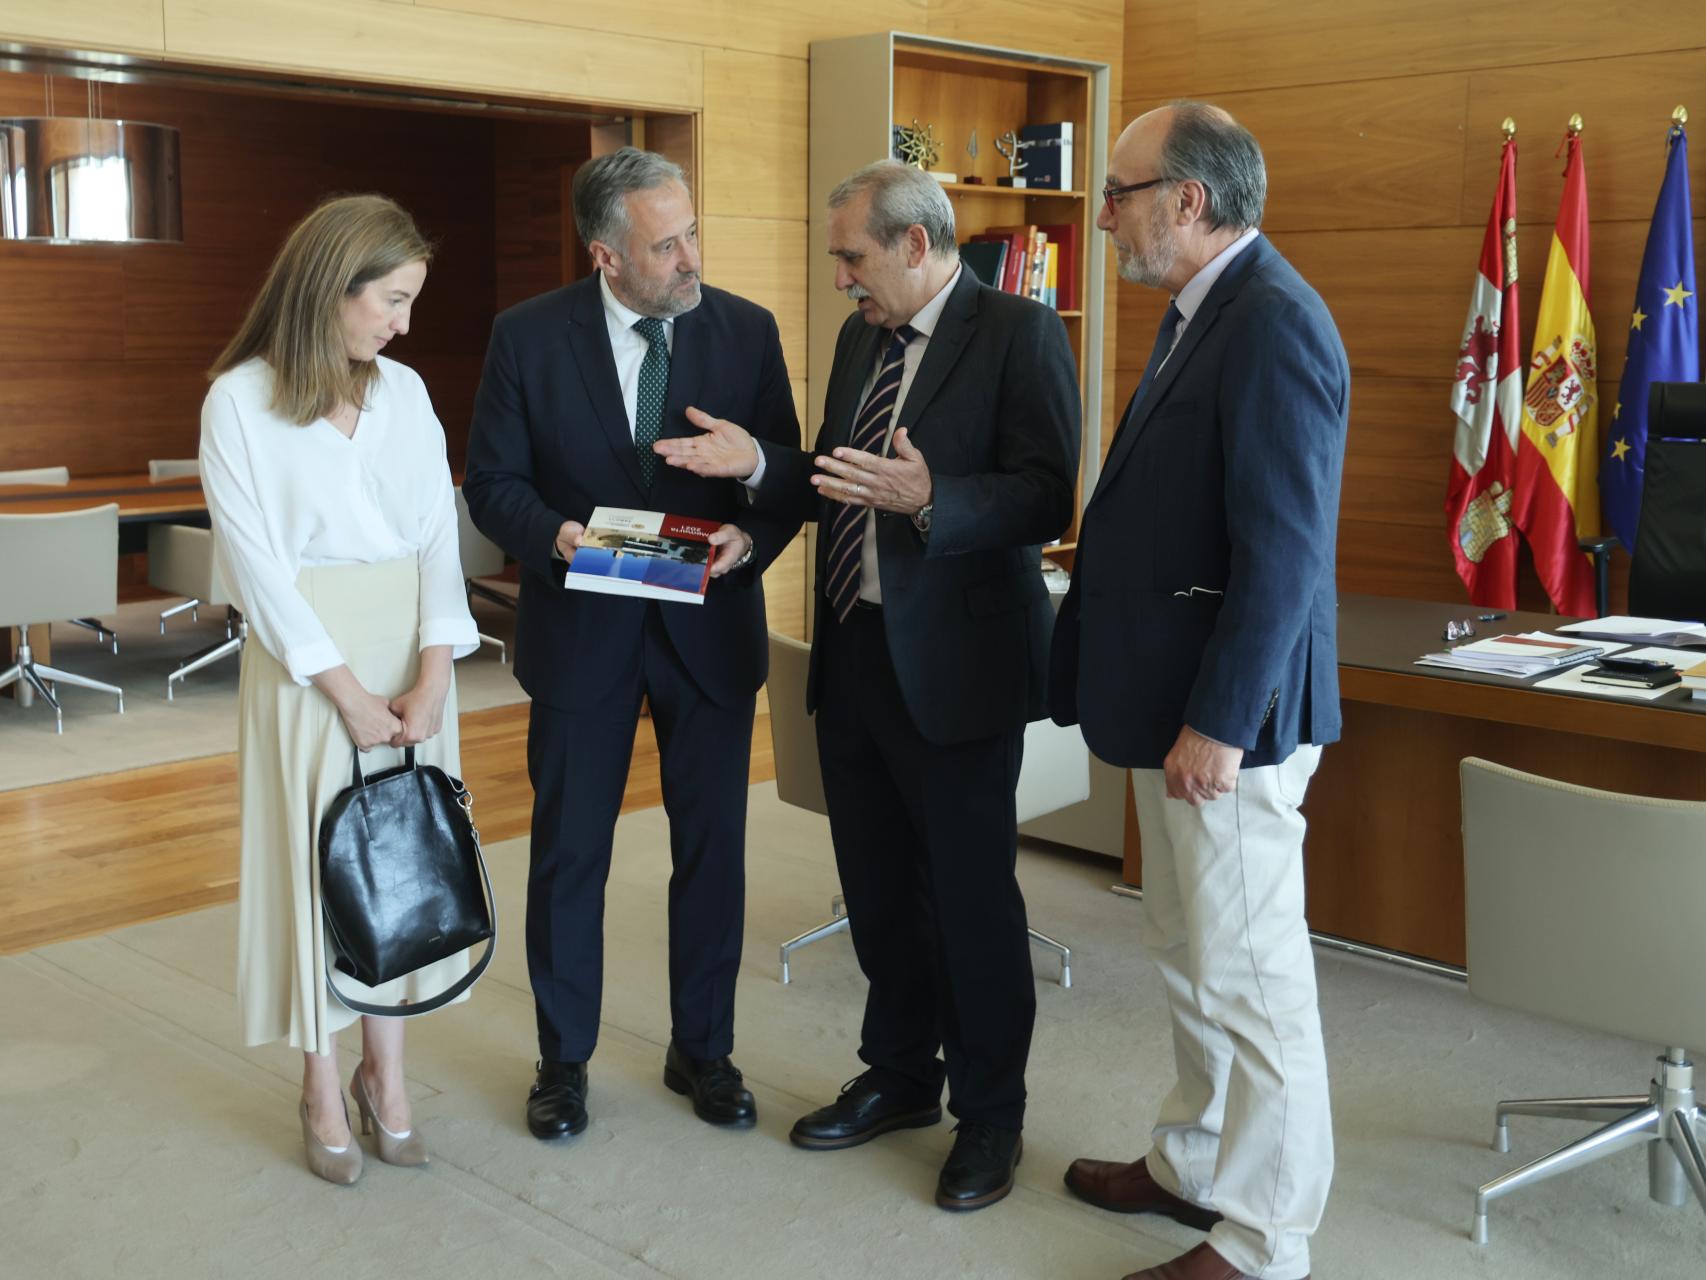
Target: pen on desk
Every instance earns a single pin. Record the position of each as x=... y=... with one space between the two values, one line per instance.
x=1492 y=617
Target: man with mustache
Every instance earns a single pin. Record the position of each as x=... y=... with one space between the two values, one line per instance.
x=578 y=384
x=948 y=453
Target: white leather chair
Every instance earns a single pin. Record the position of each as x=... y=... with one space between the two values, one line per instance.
x=181 y=562
x=1585 y=906
x=481 y=558
x=56 y=566
x=1055 y=773
x=37 y=475
x=172 y=469
x=58 y=477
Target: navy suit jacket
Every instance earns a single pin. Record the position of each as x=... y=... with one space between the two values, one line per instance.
x=994 y=409
x=551 y=441
x=1203 y=585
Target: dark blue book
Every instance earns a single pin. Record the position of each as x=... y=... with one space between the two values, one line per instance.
x=985 y=261
x=1048 y=160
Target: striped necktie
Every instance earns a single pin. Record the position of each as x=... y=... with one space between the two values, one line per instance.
x=648 y=401
x=847 y=525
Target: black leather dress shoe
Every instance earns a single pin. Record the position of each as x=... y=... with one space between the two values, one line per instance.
x=556 y=1104
x=980 y=1168
x=715 y=1086
x=864 y=1111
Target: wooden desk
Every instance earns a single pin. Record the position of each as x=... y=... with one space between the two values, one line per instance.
x=1383 y=860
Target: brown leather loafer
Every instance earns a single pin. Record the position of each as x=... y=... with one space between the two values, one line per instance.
x=1201 y=1263
x=1128 y=1188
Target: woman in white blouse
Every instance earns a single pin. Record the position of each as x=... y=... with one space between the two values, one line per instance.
x=335 y=522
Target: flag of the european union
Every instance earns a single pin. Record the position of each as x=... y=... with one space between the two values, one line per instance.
x=1664 y=343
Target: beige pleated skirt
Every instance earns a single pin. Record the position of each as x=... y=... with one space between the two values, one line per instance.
x=293 y=757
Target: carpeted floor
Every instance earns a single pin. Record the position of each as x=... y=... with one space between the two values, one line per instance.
x=201 y=719
x=141 y=1140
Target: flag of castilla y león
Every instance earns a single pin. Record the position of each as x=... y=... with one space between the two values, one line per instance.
x=1556 y=491
x=1487 y=399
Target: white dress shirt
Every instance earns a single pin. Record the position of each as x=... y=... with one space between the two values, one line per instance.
x=924 y=323
x=629 y=347
x=286 y=498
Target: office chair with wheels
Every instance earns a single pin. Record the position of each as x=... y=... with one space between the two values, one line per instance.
x=56 y=566
x=1667 y=577
x=1584 y=906
x=181 y=561
x=1055 y=773
x=58 y=477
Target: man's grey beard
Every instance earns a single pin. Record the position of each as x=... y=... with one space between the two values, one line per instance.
x=1150 y=268
x=858 y=292
x=666 y=304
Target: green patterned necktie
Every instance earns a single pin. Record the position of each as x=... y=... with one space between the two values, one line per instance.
x=648 y=403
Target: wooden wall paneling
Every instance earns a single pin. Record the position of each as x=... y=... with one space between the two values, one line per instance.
x=1366 y=154
x=676 y=138
x=1203 y=49
x=755 y=136
x=378 y=41
x=785 y=591
x=776 y=27
x=99 y=415
x=761 y=259
x=1625 y=104
x=57 y=303
x=87 y=24
x=1069 y=28
x=533 y=166
x=1384 y=559
x=1398 y=453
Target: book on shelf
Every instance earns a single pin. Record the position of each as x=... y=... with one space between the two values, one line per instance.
x=1017 y=240
x=643 y=553
x=1065 y=235
x=1048 y=160
x=986 y=260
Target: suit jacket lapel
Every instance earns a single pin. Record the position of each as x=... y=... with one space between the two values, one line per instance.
x=953 y=330
x=589 y=339
x=687 y=357
x=1138 y=415
x=851 y=393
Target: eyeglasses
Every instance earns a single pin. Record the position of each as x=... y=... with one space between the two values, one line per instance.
x=1110 y=194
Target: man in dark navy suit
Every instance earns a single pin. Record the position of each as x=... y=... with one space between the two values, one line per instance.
x=948 y=454
x=1197 y=647
x=578 y=386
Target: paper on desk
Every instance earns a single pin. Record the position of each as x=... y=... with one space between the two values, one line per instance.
x=1572 y=681
x=1508 y=656
x=1636 y=628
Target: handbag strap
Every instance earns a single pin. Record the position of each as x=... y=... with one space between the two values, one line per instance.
x=359 y=779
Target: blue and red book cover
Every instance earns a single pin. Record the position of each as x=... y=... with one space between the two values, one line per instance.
x=643 y=553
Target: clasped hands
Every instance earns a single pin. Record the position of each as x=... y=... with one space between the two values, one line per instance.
x=725 y=450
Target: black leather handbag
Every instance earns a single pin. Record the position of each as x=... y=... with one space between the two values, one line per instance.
x=402 y=882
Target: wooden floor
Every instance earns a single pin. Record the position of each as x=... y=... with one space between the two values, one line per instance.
x=99 y=853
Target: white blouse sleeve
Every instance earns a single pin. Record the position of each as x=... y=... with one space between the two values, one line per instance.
x=445 y=618
x=262 y=580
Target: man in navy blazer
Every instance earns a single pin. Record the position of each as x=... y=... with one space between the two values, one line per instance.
x=1197 y=647
x=578 y=385
x=947 y=455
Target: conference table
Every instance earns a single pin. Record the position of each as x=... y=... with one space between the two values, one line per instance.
x=1383 y=858
x=140 y=503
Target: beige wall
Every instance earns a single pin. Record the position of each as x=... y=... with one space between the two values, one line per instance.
x=1380 y=120
x=741 y=63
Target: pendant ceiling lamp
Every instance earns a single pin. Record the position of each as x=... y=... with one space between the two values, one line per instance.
x=75 y=179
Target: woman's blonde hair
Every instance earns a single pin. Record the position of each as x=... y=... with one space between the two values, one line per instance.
x=293 y=323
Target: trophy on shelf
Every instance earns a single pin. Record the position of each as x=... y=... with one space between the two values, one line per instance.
x=971 y=180
x=1010 y=144
x=917 y=145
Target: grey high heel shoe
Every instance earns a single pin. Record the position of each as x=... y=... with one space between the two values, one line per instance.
x=342 y=1167
x=407 y=1148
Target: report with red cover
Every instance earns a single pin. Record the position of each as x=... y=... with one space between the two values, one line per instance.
x=643 y=553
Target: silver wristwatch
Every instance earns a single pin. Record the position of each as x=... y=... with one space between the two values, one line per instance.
x=921 y=517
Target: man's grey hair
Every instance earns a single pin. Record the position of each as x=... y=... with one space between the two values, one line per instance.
x=901 y=197
x=601 y=190
x=1207 y=144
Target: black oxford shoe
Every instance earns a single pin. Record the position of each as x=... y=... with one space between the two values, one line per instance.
x=556 y=1104
x=862 y=1112
x=980 y=1168
x=715 y=1086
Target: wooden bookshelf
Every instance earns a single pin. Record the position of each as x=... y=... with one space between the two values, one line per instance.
x=862 y=86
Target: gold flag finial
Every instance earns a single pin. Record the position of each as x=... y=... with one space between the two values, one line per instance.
x=1680 y=115
x=1509 y=128
x=1575 y=125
